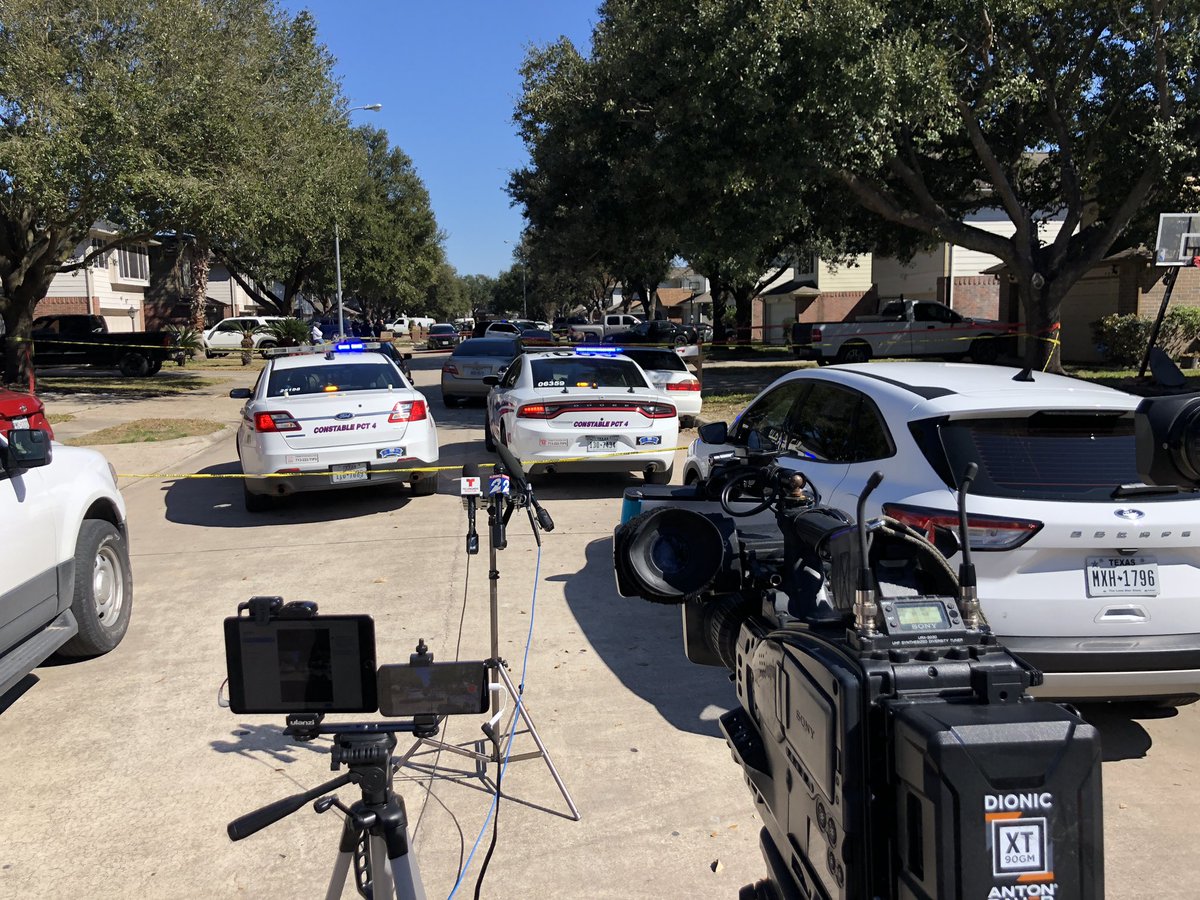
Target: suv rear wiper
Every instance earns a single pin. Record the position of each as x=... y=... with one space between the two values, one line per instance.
x=1138 y=490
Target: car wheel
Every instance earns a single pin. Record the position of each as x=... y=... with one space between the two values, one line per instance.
x=503 y=435
x=265 y=346
x=985 y=351
x=663 y=477
x=691 y=478
x=450 y=401
x=103 y=595
x=134 y=365
x=425 y=485
x=155 y=367
x=488 y=443
x=1173 y=702
x=687 y=421
x=854 y=353
x=256 y=502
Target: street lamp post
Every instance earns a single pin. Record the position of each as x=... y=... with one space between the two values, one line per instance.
x=337 y=242
x=524 y=294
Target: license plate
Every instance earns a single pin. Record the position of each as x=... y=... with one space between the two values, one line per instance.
x=602 y=444
x=1117 y=576
x=477 y=372
x=22 y=422
x=348 y=473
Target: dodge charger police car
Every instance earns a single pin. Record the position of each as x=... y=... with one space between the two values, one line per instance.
x=345 y=417
x=586 y=411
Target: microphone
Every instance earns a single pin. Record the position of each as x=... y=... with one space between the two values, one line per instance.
x=543 y=517
x=469 y=488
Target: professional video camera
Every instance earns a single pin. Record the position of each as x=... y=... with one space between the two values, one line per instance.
x=888 y=739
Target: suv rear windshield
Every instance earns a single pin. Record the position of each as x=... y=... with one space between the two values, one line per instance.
x=582 y=371
x=502 y=347
x=334 y=377
x=443 y=329
x=662 y=360
x=1046 y=456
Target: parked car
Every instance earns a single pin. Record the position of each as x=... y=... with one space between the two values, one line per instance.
x=442 y=336
x=18 y=410
x=79 y=340
x=493 y=329
x=903 y=328
x=610 y=324
x=1056 y=515
x=472 y=361
x=336 y=418
x=65 y=581
x=562 y=325
x=226 y=336
x=537 y=337
x=656 y=331
x=404 y=324
x=567 y=411
x=669 y=373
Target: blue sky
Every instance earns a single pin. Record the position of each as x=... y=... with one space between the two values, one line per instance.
x=446 y=74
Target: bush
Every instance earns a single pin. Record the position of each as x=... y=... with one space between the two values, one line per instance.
x=1123 y=338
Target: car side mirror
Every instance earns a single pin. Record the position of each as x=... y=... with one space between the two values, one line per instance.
x=714 y=433
x=491 y=380
x=28 y=448
x=240 y=394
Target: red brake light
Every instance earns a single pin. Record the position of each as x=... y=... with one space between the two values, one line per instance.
x=450 y=369
x=984 y=532
x=408 y=411
x=690 y=385
x=275 y=421
x=534 y=411
x=815 y=335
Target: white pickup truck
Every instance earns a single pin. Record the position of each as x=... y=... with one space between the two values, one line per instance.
x=614 y=323
x=903 y=328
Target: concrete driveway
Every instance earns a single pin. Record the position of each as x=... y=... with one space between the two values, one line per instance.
x=122 y=772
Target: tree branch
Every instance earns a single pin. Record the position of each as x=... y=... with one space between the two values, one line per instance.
x=1089 y=246
x=1012 y=205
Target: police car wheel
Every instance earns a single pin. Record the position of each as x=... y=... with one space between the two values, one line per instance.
x=425 y=486
x=256 y=502
x=663 y=477
x=488 y=443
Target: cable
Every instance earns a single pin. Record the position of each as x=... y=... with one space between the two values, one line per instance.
x=512 y=733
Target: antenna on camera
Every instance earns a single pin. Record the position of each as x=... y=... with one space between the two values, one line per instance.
x=865 y=606
x=968 y=592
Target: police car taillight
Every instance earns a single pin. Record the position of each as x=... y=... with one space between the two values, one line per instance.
x=275 y=421
x=535 y=411
x=658 y=410
x=408 y=411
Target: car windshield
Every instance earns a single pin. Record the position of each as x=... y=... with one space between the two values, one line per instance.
x=577 y=371
x=502 y=347
x=442 y=329
x=660 y=360
x=1045 y=456
x=332 y=376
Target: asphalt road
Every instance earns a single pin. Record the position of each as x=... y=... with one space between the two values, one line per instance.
x=122 y=772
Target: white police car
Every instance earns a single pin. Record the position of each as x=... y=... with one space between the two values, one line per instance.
x=591 y=410
x=334 y=417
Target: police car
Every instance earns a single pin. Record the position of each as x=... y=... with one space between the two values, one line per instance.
x=335 y=417
x=590 y=410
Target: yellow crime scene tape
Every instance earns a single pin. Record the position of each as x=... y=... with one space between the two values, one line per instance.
x=165 y=476
x=118 y=344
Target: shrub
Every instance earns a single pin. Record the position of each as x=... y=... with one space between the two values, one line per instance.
x=1123 y=338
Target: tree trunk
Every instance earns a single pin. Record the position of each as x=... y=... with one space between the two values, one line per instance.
x=18 y=349
x=199 y=295
x=743 y=295
x=1041 y=306
x=720 y=332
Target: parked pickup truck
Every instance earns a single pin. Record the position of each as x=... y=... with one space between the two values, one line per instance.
x=79 y=340
x=903 y=328
x=612 y=324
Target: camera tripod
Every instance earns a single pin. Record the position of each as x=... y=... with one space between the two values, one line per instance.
x=375 y=834
x=508 y=490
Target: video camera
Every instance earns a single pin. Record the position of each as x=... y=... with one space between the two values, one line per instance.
x=887 y=737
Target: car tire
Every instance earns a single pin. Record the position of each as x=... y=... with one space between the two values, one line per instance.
x=134 y=365
x=155 y=367
x=687 y=421
x=103 y=597
x=691 y=477
x=503 y=435
x=424 y=486
x=663 y=477
x=985 y=351
x=265 y=346
x=489 y=444
x=857 y=352
x=450 y=401
x=1173 y=702
x=256 y=503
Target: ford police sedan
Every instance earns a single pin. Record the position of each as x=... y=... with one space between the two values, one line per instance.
x=342 y=417
x=586 y=411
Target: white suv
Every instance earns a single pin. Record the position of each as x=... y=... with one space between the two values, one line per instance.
x=1086 y=574
x=226 y=336
x=65 y=580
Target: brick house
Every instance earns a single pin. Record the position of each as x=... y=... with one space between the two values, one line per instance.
x=112 y=285
x=827 y=292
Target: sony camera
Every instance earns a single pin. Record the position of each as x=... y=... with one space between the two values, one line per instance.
x=887 y=737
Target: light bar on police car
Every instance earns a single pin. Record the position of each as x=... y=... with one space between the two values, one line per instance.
x=607 y=350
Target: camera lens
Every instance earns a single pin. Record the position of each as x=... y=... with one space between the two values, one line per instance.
x=671 y=553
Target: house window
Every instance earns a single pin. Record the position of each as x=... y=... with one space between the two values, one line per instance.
x=100 y=260
x=133 y=263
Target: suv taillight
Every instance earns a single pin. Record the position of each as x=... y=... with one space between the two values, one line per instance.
x=275 y=421
x=408 y=411
x=984 y=532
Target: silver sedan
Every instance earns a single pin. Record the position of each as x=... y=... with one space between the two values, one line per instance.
x=472 y=361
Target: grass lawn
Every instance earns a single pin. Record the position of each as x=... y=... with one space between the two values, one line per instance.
x=145 y=430
x=120 y=388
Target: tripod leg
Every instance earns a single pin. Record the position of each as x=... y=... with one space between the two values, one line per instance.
x=381 y=875
x=346 y=847
x=395 y=842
